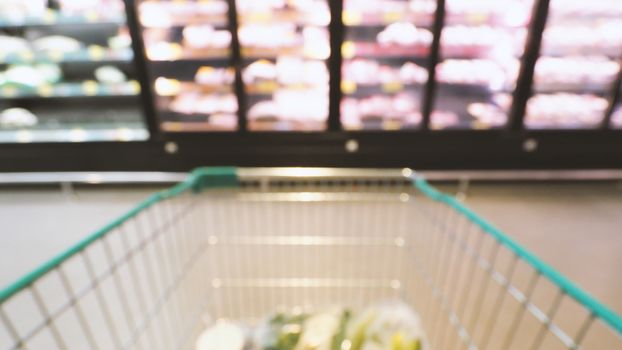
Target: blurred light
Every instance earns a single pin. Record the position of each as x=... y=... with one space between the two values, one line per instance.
x=77 y=135
x=94 y=178
x=124 y=134
x=24 y=136
x=167 y=87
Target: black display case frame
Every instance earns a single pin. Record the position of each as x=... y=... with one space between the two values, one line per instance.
x=511 y=147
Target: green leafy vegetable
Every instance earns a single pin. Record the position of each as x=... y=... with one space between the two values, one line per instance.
x=340 y=336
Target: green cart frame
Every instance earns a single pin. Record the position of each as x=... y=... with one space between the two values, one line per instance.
x=239 y=244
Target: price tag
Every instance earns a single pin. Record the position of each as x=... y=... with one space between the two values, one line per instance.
x=26 y=56
x=393 y=86
x=266 y=87
x=348 y=49
x=90 y=88
x=351 y=18
x=9 y=91
x=24 y=136
x=392 y=16
x=260 y=17
x=348 y=87
x=77 y=135
x=91 y=16
x=67 y=89
x=123 y=134
x=391 y=125
x=176 y=50
x=477 y=18
x=96 y=52
x=478 y=125
x=173 y=126
x=300 y=86
x=134 y=87
x=56 y=55
x=49 y=17
x=354 y=127
x=45 y=90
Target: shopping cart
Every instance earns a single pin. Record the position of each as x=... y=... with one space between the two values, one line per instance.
x=242 y=244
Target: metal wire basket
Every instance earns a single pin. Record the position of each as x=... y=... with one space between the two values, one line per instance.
x=243 y=243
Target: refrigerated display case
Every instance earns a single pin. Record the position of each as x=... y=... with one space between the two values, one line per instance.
x=481 y=47
x=423 y=83
x=284 y=52
x=385 y=58
x=188 y=53
x=579 y=62
x=67 y=73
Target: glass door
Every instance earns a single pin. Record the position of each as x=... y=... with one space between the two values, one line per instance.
x=285 y=47
x=67 y=73
x=385 y=58
x=188 y=49
x=482 y=43
x=579 y=62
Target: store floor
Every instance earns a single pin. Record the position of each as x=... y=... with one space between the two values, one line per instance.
x=577 y=228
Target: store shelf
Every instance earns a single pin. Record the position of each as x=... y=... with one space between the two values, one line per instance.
x=71 y=90
x=254 y=53
x=565 y=111
x=466 y=122
x=477 y=19
x=285 y=125
x=465 y=52
x=169 y=126
x=190 y=86
x=586 y=12
x=177 y=22
x=353 y=89
x=287 y=16
x=184 y=55
x=163 y=13
x=101 y=134
x=171 y=121
x=474 y=89
x=94 y=54
x=561 y=125
x=358 y=19
x=584 y=87
x=370 y=124
x=184 y=70
x=374 y=50
x=55 y=18
x=270 y=87
x=610 y=52
x=455 y=110
x=463 y=124
x=170 y=116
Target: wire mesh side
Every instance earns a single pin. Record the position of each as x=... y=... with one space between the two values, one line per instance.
x=137 y=287
x=304 y=248
x=480 y=295
x=157 y=280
